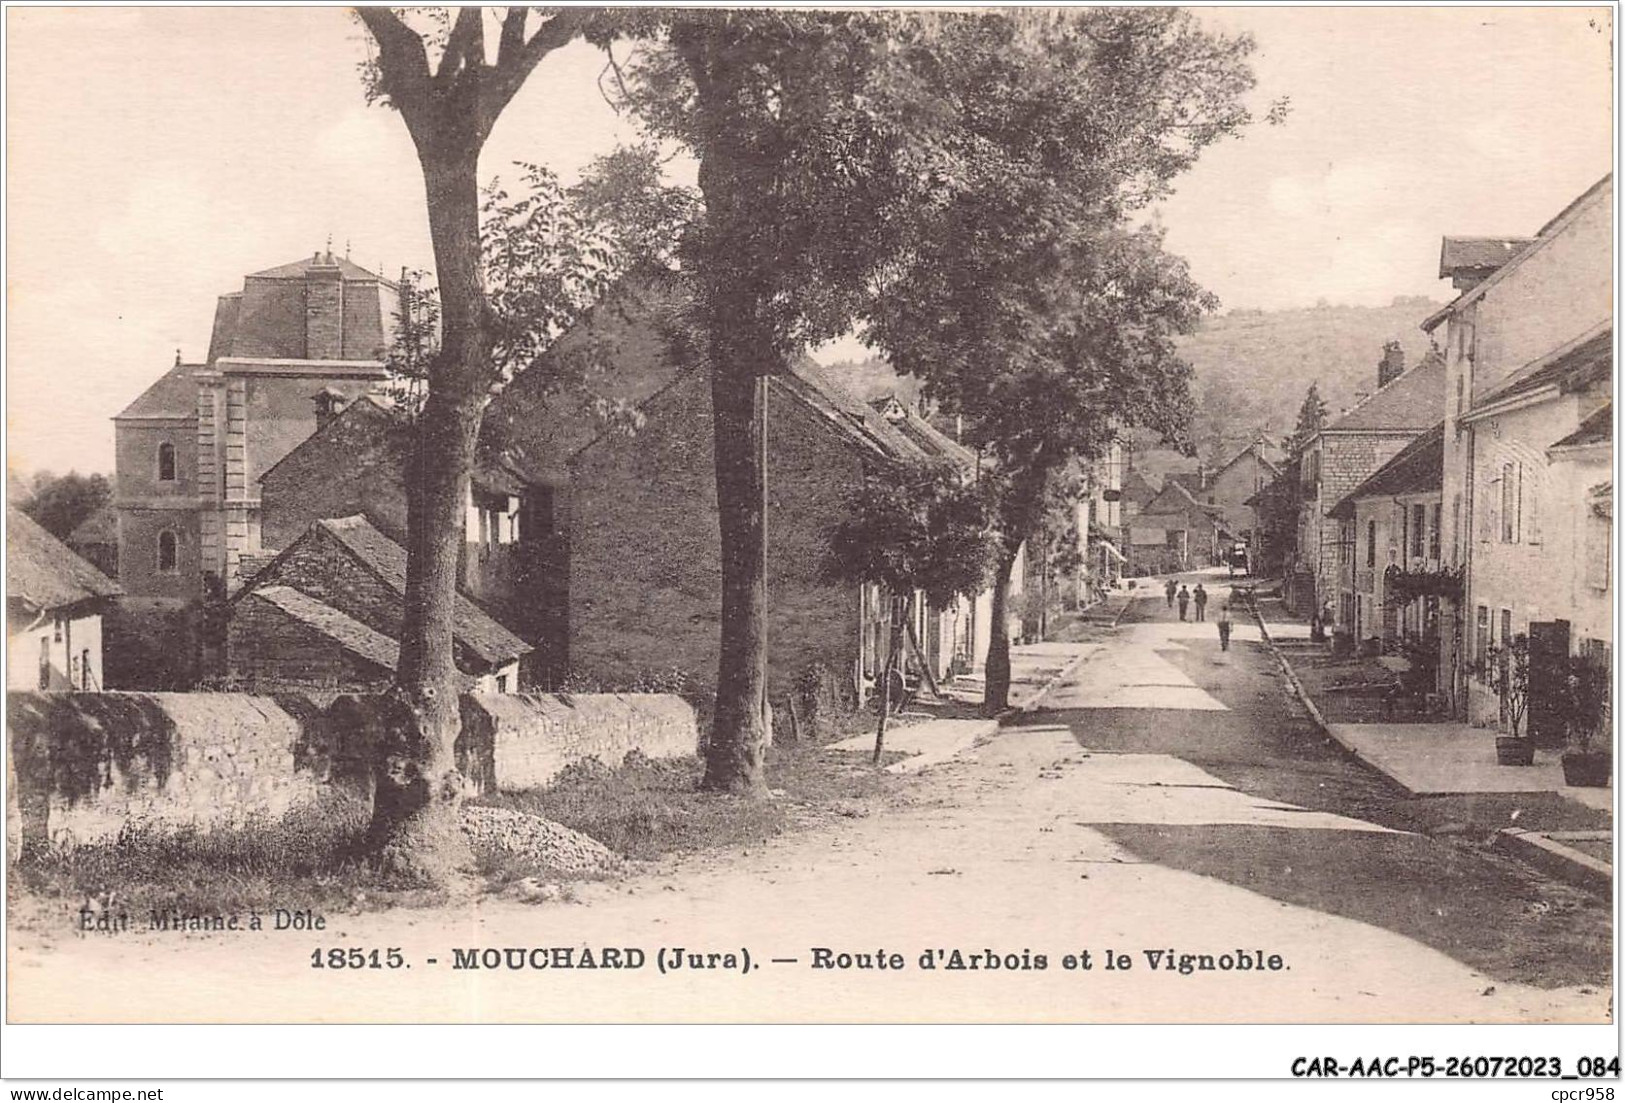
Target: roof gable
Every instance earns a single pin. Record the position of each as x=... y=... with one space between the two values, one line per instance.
x=299 y=269
x=363 y=409
x=387 y=561
x=43 y=572
x=339 y=627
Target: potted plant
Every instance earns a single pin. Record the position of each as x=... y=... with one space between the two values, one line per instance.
x=1507 y=671
x=1585 y=717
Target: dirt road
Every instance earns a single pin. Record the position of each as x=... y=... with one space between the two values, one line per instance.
x=1166 y=801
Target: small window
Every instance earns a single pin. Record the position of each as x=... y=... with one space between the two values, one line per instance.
x=166 y=462
x=167 y=558
x=45 y=662
x=1481 y=634
x=1418 y=530
x=1371 y=544
x=502 y=683
x=1433 y=531
x=1597 y=540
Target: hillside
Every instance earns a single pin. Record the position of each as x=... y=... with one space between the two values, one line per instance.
x=1253 y=367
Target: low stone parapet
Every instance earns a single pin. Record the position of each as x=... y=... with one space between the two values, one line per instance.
x=513 y=741
x=85 y=767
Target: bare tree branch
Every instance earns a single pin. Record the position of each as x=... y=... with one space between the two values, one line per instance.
x=512 y=69
x=465 y=47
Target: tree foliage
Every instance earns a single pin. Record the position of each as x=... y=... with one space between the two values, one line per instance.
x=916 y=527
x=61 y=503
x=1311 y=420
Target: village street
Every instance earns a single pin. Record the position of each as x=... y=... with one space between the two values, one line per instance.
x=1167 y=796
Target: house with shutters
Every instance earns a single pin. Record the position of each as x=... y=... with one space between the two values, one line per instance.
x=1337 y=459
x=1395 y=514
x=55 y=605
x=1528 y=457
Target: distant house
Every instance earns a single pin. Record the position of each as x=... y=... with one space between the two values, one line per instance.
x=1396 y=518
x=54 y=606
x=645 y=570
x=1528 y=455
x=1175 y=531
x=1231 y=489
x=327 y=611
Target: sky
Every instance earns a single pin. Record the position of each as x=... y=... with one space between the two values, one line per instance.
x=158 y=155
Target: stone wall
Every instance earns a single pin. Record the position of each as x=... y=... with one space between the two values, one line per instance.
x=645 y=567
x=90 y=764
x=85 y=766
x=512 y=742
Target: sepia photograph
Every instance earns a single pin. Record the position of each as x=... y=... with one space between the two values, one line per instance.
x=1092 y=516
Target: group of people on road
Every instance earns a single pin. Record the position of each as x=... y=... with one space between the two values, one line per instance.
x=1178 y=594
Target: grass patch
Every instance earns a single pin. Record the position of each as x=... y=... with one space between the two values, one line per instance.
x=309 y=859
x=649 y=808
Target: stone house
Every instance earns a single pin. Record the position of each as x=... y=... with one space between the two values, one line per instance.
x=645 y=570
x=1339 y=458
x=191 y=448
x=1232 y=488
x=1528 y=450
x=1395 y=520
x=326 y=612
x=55 y=602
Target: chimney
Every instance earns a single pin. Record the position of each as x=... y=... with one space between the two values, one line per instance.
x=329 y=404
x=324 y=310
x=1392 y=364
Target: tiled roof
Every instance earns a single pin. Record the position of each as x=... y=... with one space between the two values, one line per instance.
x=933 y=440
x=342 y=629
x=387 y=559
x=1596 y=429
x=1136 y=488
x=1589 y=361
x=1413 y=401
x=297 y=270
x=369 y=407
x=174 y=394
x=1468 y=253
x=853 y=416
x=1415 y=469
x=43 y=572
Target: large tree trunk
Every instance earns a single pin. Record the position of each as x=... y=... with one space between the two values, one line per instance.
x=416 y=831
x=996 y=687
x=734 y=753
x=1022 y=512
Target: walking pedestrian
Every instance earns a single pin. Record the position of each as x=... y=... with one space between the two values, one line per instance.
x=1184 y=600
x=1169 y=590
x=1224 y=627
x=1201 y=602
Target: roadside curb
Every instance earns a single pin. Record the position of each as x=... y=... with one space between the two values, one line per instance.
x=1315 y=714
x=1551 y=856
x=1301 y=693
